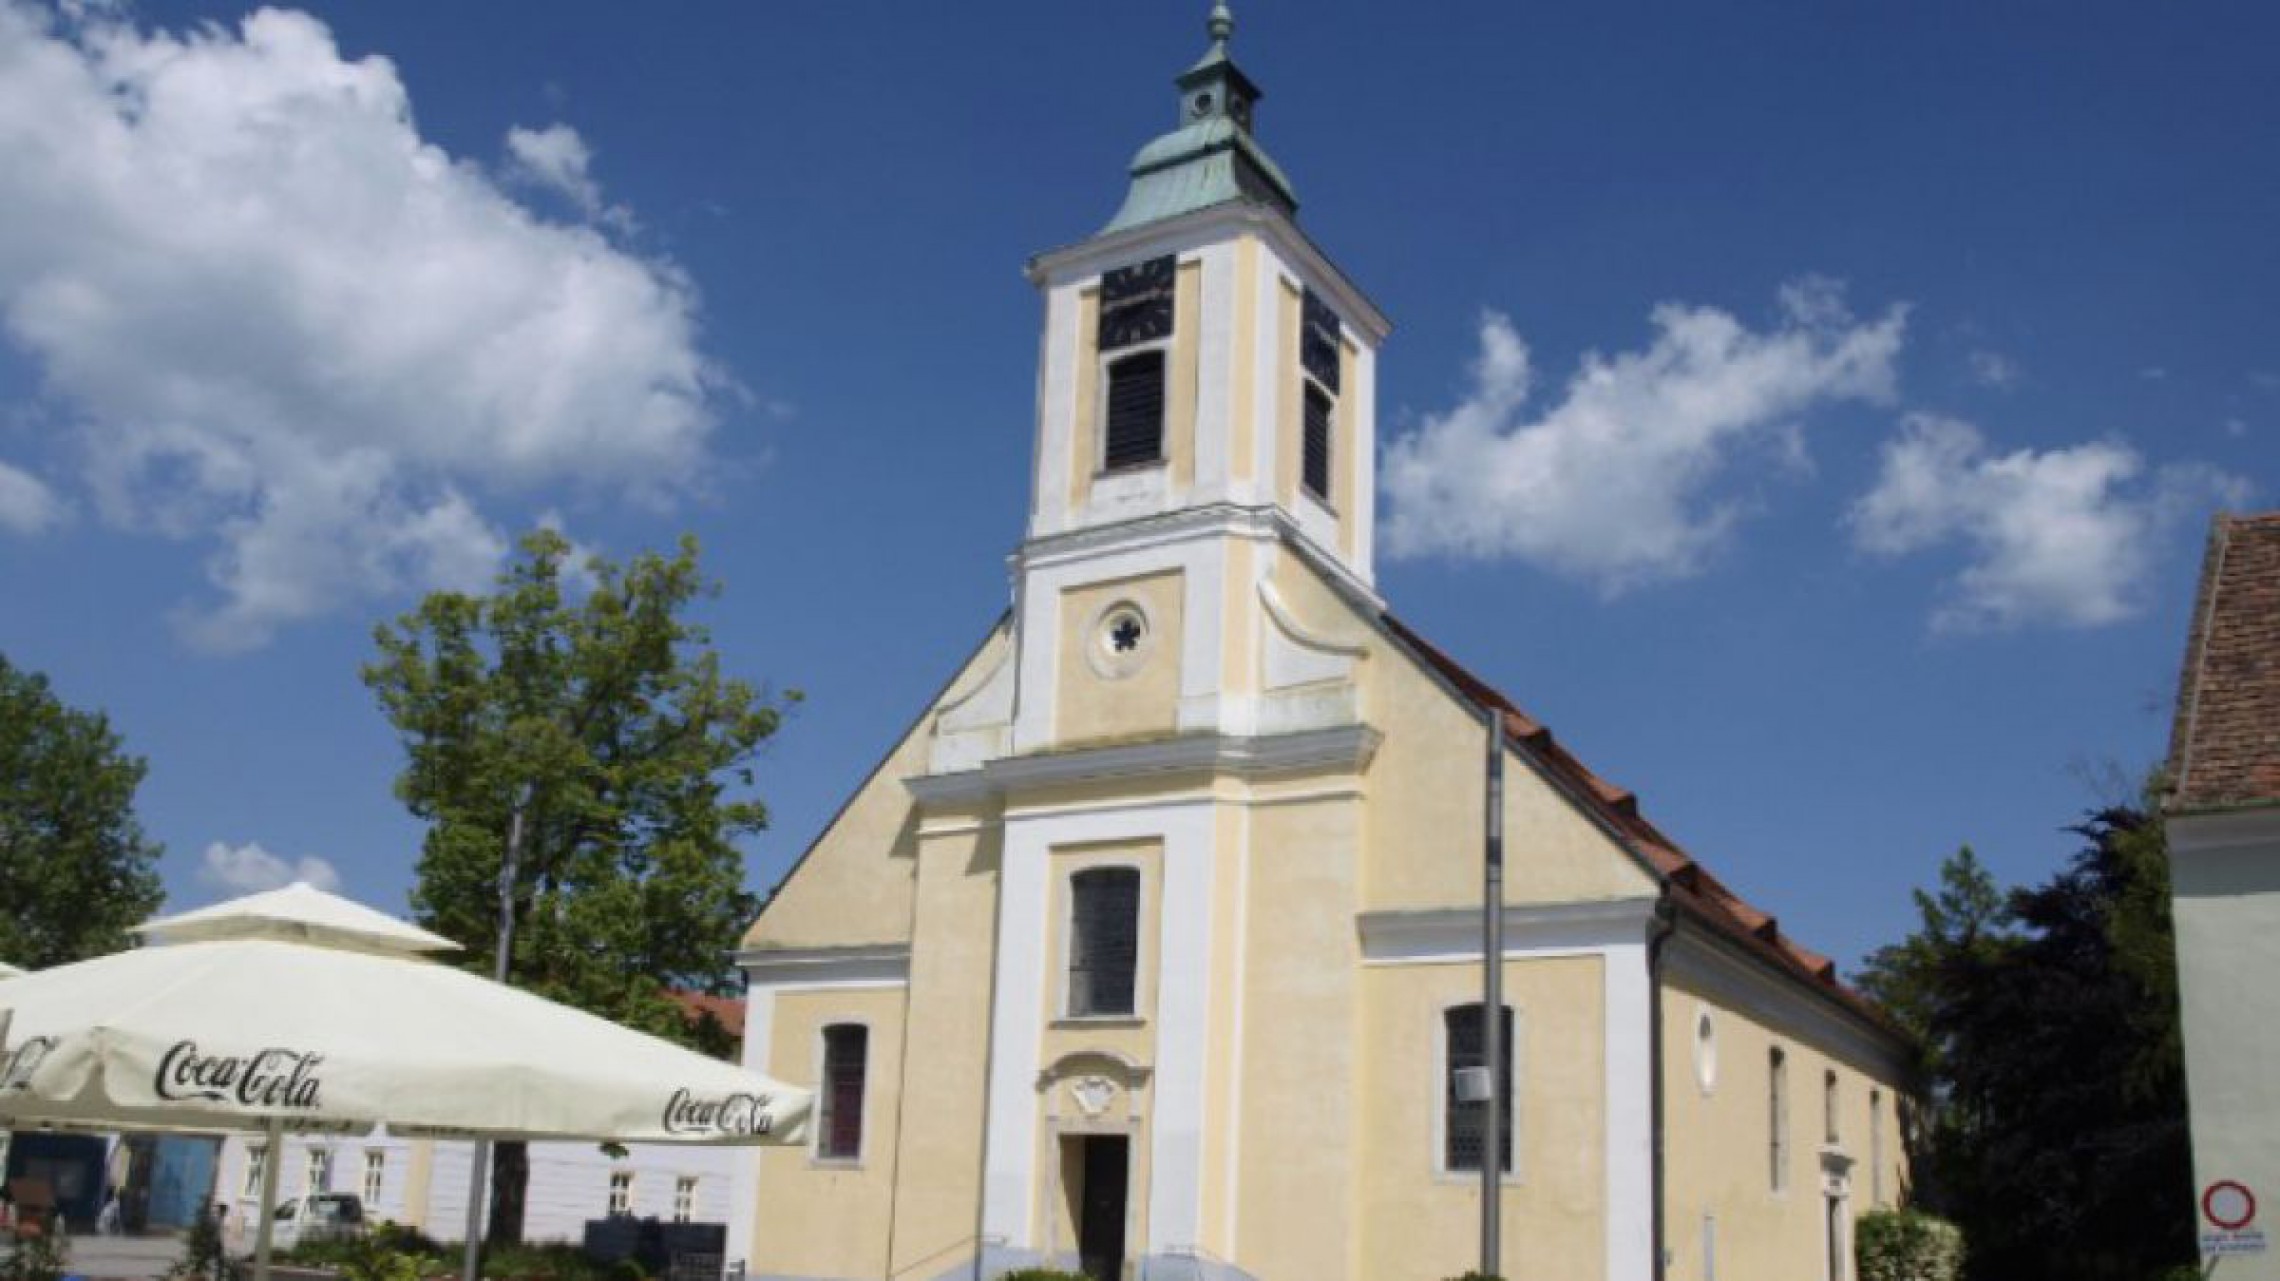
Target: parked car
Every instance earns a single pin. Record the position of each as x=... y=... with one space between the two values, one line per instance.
x=322 y=1216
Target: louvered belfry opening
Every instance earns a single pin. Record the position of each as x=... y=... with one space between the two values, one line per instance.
x=1104 y=942
x=846 y=1051
x=1465 y=1132
x=1135 y=410
x=1315 y=456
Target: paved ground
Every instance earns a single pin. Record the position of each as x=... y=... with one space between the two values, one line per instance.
x=123 y=1258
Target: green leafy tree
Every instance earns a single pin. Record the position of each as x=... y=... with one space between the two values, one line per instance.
x=2056 y=1127
x=75 y=868
x=601 y=721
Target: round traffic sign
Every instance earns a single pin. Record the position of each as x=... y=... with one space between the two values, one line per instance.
x=2229 y=1205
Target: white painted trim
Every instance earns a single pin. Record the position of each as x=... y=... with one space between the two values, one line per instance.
x=1056 y=410
x=1778 y=1002
x=744 y=1184
x=1346 y=747
x=1215 y=371
x=1449 y=936
x=1087 y=258
x=1010 y=1180
x=1239 y=975
x=814 y=968
x=1628 y=1008
x=1364 y=446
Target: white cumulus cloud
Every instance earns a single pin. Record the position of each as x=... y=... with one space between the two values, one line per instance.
x=1993 y=369
x=558 y=159
x=248 y=869
x=1618 y=481
x=286 y=325
x=2065 y=536
x=27 y=505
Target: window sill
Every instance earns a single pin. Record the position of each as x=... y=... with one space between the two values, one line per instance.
x=835 y=1163
x=1100 y=1020
x=1319 y=500
x=1471 y=1178
x=1132 y=469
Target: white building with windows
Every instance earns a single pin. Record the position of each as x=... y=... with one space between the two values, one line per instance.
x=1153 y=945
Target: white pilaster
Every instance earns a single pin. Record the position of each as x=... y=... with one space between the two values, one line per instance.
x=1628 y=1009
x=759 y=1027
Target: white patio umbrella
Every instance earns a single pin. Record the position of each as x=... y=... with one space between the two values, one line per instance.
x=8 y=971
x=296 y=1011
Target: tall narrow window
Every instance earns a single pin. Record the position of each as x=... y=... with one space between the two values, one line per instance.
x=1104 y=941
x=1135 y=410
x=1876 y=1147
x=1315 y=456
x=684 y=1199
x=846 y=1054
x=1318 y=352
x=375 y=1175
x=1464 y=1126
x=1777 y=1118
x=621 y=1193
x=1830 y=1132
x=256 y=1165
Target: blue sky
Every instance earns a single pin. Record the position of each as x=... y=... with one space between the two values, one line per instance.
x=1825 y=403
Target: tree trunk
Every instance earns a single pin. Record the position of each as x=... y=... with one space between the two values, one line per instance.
x=510 y=1183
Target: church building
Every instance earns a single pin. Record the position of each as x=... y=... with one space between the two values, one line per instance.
x=1153 y=948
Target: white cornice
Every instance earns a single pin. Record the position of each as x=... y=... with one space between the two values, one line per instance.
x=1432 y=936
x=1779 y=1003
x=1344 y=748
x=1188 y=231
x=1215 y=520
x=861 y=965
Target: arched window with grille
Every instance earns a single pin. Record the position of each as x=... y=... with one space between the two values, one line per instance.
x=1464 y=1126
x=1104 y=941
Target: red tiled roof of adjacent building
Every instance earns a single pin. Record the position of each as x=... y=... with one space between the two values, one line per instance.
x=727 y=1011
x=1691 y=885
x=2224 y=748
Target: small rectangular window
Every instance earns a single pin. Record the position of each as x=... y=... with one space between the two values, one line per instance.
x=1831 y=1134
x=1315 y=453
x=1104 y=941
x=375 y=1175
x=1777 y=1120
x=320 y=1170
x=621 y=1193
x=684 y=1199
x=1876 y=1147
x=1464 y=1126
x=846 y=1051
x=1135 y=435
x=256 y=1165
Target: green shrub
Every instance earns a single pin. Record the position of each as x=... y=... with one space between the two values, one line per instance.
x=1907 y=1245
x=41 y=1256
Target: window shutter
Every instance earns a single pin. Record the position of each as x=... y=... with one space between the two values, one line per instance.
x=1135 y=410
x=1315 y=456
x=1104 y=946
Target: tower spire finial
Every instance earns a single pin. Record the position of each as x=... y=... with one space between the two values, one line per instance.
x=1221 y=24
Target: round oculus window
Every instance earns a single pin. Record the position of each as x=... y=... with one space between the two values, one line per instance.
x=1121 y=639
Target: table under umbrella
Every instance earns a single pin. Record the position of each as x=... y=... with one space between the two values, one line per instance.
x=297 y=1011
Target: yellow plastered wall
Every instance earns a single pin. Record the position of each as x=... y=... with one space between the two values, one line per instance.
x=940 y=1130
x=854 y=884
x=1084 y=429
x=1228 y=926
x=818 y=1218
x=1426 y=786
x=1300 y=1055
x=1181 y=392
x=1418 y=1222
x=1718 y=1143
x=1092 y=706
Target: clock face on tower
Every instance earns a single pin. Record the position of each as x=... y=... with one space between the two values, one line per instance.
x=1136 y=303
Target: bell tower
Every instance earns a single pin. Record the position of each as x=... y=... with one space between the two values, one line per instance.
x=1206 y=395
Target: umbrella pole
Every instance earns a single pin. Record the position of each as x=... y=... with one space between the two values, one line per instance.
x=478 y=1160
x=274 y=1156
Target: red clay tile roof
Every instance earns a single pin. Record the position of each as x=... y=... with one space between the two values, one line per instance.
x=1691 y=885
x=728 y=1011
x=2224 y=748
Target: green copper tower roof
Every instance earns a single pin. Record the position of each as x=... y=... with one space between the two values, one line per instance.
x=1211 y=159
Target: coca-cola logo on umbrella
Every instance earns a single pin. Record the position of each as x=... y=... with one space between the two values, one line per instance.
x=737 y=1114
x=16 y=1068
x=276 y=1077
